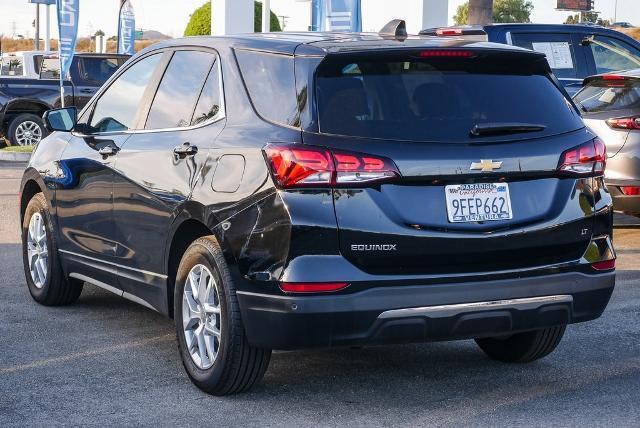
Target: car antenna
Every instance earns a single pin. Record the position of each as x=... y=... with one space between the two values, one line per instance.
x=396 y=28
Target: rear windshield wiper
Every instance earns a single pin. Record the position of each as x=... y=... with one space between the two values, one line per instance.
x=497 y=128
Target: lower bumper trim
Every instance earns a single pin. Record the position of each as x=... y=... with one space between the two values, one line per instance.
x=445 y=311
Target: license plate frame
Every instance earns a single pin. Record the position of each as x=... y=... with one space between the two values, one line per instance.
x=494 y=205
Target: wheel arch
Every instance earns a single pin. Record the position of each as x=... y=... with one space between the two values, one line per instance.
x=190 y=225
x=32 y=183
x=26 y=105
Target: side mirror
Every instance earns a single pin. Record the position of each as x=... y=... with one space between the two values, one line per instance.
x=62 y=119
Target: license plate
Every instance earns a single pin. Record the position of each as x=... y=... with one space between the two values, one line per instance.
x=478 y=202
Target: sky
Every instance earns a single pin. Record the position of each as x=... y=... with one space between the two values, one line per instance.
x=171 y=17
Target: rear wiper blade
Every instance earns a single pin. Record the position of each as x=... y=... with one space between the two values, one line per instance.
x=497 y=128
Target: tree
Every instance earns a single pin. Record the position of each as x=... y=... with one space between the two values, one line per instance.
x=99 y=33
x=200 y=22
x=503 y=11
x=592 y=17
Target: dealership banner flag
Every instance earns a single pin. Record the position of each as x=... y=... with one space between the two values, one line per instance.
x=336 y=15
x=68 y=12
x=126 y=28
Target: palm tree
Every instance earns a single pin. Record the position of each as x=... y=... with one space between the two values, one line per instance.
x=480 y=12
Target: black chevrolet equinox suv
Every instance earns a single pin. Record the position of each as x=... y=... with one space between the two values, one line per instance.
x=297 y=190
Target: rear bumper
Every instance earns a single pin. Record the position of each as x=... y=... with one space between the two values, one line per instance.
x=622 y=202
x=424 y=312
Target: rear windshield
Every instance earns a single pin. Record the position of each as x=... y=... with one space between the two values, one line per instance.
x=437 y=99
x=602 y=96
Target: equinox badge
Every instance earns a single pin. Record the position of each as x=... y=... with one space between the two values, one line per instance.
x=373 y=247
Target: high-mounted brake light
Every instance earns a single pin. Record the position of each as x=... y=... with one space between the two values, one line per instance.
x=299 y=165
x=612 y=77
x=312 y=287
x=448 y=53
x=624 y=123
x=449 y=32
x=586 y=159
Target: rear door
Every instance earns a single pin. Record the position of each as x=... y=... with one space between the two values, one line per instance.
x=565 y=54
x=419 y=110
x=160 y=166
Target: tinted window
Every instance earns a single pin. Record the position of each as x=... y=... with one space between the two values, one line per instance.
x=179 y=90
x=613 y=55
x=50 y=68
x=557 y=47
x=210 y=102
x=438 y=99
x=271 y=84
x=603 y=96
x=12 y=66
x=117 y=107
x=96 y=71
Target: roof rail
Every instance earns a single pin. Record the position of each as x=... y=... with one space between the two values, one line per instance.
x=469 y=32
x=396 y=28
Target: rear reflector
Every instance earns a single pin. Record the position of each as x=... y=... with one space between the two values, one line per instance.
x=299 y=165
x=586 y=159
x=448 y=53
x=624 y=123
x=312 y=287
x=631 y=190
x=604 y=265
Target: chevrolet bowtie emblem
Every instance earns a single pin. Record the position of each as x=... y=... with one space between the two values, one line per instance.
x=485 y=165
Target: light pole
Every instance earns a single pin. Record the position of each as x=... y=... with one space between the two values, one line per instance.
x=615 y=12
x=266 y=16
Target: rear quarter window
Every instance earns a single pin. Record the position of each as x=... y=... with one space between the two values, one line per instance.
x=270 y=81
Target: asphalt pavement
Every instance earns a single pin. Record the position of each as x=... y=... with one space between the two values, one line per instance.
x=107 y=361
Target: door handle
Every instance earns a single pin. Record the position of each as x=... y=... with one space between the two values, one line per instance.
x=109 y=150
x=185 y=150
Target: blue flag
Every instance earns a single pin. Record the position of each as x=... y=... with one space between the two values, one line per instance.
x=68 y=11
x=127 y=29
x=336 y=15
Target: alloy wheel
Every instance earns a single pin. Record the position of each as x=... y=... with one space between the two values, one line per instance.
x=37 y=250
x=201 y=316
x=28 y=133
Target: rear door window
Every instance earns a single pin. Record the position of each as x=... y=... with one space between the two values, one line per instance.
x=179 y=90
x=611 y=54
x=95 y=71
x=437 y=99
x=559 y=49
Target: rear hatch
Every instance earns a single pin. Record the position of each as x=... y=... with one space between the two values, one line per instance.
x=474 y=138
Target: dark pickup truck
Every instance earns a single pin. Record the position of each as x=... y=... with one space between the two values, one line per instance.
x=574 y=52
x=23 y=100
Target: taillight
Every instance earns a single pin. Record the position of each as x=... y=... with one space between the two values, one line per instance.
x=586 y=159
x=312 y=287
x=630 y=190
x=604 y=265
x=298 y=165
x=624 y=123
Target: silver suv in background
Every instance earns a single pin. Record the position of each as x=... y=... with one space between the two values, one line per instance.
x=610 y=105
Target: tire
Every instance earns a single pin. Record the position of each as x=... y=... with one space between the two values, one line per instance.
x=230 y=364
x=54 y=289
x=27 y=122
x=523 y=347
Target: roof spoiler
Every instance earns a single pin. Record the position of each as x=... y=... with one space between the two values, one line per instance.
x=396 y=29
x=468 y=32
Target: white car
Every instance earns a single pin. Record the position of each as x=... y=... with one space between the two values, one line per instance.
x=22 y=64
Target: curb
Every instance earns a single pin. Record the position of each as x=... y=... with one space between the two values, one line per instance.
x=14 y=156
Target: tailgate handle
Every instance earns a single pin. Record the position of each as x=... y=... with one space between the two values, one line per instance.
x=185 y=150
